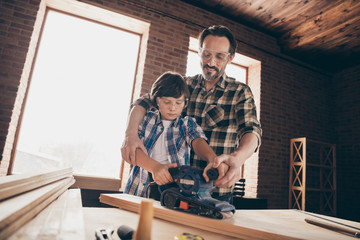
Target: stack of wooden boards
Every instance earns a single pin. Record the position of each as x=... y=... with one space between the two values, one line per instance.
x=23 y=196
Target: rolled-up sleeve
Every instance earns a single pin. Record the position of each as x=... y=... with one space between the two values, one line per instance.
x=247 y=116
x=143 y=101
x=193 y=130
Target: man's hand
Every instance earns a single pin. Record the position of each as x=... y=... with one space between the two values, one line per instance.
x=247 y=146
x=130 y=144
x=222 y=169
x=232 y=175
x=132 y=140
x=161 y=173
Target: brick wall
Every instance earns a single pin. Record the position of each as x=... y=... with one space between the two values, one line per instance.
x=20 y=24
x=296 y=100
x=346 y=112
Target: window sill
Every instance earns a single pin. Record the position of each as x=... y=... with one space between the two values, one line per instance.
x=96 y=182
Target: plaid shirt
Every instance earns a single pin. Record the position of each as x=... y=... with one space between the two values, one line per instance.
x=225 y=113
x=181 y=132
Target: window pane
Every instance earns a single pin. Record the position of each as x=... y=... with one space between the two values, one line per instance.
x=79 y=97
x=193 y=64
x=237 y=72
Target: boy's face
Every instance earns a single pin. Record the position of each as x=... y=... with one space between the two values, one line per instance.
x=169 y=107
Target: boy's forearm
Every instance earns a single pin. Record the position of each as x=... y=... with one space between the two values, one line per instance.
x=203 y=150
x=136 y=115
x=145 y=162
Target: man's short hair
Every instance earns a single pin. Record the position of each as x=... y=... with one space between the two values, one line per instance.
x=169 y=84
x=219 y=31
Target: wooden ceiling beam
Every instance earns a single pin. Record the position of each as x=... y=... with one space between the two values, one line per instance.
x=321 y=38
x=291 y=15
x=335 y=43
x=329 y=23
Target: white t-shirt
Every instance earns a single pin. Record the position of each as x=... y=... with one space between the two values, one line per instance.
x=159 y=152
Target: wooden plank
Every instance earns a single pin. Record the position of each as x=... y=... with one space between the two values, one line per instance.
x=62 y=219
x=226 y=227
x=18 y=210
x=16 y=184
x=287 y=223
x=72 y=224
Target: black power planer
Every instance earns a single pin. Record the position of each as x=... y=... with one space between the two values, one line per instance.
x=191 y=193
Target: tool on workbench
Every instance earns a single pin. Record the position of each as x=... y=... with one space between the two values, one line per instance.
x=103 y=234
x=191 y=193
x=334 y=227
x=143 y=231
x=125 y=232
x=331 y=224
x=188 y=236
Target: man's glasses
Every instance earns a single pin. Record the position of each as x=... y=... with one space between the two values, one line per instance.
x=219 y=57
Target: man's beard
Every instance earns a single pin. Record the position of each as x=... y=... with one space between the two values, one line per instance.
x=208 y=76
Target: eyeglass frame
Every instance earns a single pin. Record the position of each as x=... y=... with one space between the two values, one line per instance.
x=201 y=50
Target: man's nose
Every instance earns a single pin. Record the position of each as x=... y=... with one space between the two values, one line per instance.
x=212 y=61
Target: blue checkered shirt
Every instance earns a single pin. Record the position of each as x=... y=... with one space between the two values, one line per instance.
x=181 y=132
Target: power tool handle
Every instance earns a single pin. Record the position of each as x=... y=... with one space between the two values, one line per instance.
x=174 y=171
x=212 y=173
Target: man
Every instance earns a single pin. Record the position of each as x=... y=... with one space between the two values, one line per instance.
x=224 y=109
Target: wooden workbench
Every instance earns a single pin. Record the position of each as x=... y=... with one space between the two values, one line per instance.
x=83 y=221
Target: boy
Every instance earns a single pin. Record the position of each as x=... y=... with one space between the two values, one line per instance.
x=167 y=136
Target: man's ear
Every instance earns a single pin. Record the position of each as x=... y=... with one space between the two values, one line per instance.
x=231 y=58
x=186 y=102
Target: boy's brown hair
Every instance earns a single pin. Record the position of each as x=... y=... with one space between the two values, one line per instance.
x=169 y=84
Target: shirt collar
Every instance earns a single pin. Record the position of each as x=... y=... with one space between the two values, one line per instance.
x=158 y=120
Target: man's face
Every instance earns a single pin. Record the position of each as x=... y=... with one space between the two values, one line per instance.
x=169 y=107
x=214 y=57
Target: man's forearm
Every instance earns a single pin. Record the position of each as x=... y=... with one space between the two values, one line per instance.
x=247 y=146
x=136 y=115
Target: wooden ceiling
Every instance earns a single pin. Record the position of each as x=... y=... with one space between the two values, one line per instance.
x=323 y=33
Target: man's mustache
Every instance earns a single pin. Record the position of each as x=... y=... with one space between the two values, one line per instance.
x=213 y=67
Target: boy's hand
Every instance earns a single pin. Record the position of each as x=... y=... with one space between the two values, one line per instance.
x=161 y=173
